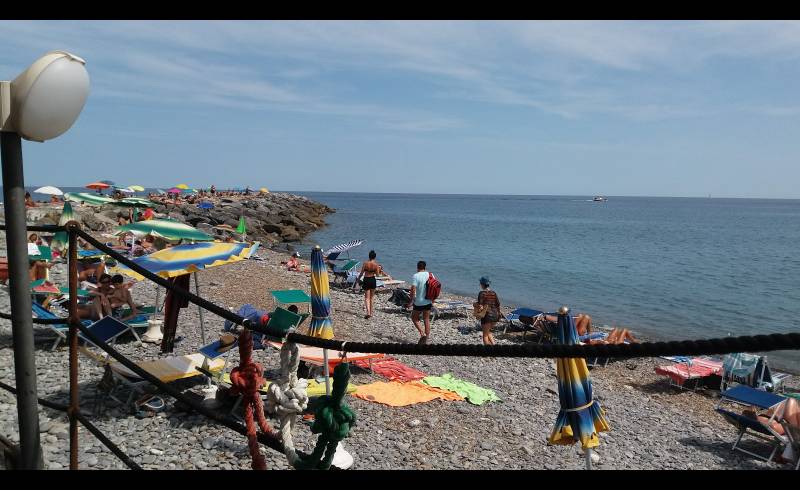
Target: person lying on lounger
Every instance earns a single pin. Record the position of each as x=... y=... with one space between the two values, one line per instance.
x=616 y=336
x=583 y=322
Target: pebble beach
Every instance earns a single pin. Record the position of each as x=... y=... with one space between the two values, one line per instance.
x=653 y=425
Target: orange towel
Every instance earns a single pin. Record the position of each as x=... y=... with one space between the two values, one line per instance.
x=397 y=394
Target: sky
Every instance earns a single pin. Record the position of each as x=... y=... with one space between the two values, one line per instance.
x=618 y=108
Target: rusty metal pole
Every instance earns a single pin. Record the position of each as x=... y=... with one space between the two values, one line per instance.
x=74 y=320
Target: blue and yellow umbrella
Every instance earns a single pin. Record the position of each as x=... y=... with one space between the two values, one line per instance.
x=580 y=417
x=187 y=258
x=321 y=324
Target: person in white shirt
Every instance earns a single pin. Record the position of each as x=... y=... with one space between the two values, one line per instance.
x=421 y=304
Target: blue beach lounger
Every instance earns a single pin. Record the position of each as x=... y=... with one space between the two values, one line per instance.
x=60 y=329
x=745 y=395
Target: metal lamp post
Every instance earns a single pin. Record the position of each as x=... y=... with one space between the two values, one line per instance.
x=40 y=104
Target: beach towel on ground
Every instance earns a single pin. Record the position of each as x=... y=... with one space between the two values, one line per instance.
x=472 y=392
x=397 y=394
x=314 y=388
x=391 y=369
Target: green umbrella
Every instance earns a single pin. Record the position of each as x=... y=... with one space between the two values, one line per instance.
x=242 y=228
x=88 y=198
x=60 y=239
x=169 y=230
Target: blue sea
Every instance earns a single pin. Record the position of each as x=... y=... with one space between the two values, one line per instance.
x=667 y=268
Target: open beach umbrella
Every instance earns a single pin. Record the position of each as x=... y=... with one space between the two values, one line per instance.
x=49 y=189
x=182 y=186
x=61 y=239
x=97 y=186
x=88 y=198
x=167 y=229
x=188 y=191
x=187 y=258
x=264 y=190
x=580 y=417
x=136 y=188
x=174 y=190
x=136 y=202
x=344 y=247
x=126 y=190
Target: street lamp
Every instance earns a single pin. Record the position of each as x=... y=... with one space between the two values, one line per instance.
x=40 y=104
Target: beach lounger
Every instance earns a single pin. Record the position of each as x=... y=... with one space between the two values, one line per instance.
x=440 y=307
x=758 y=399
x=346 y=273
x=60 y=329
x=253 y=249
x=691 y=371
x=166 y=370
x=290 y=297
x=751 y=370
x=526 y=318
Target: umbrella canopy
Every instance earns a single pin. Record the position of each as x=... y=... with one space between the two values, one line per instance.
x=187 y=258
x=344 y=247
x=264 y=190
x=136 y=202
x=242 y=228
x=205 y=205
x=88 y=198
x=182 y=186
x=136 y=188
x=127 y=190
x=321 y=324
x=109 y=182
x=167 y=229
x=49 y=189
x=160 y=191
x=188 y=191
x=580 y=417
x=61 y=239
x=174 y=190
x=98 y=185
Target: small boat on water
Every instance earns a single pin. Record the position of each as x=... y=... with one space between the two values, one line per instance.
x=600 y=199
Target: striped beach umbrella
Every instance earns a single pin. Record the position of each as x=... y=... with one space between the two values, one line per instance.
x=187 y=258
x=344 y=247
x=136 y=188
x=321 y=324
x=88 y=198
x=182 y=186
x=167 y=229
x=580 y=417
x=61 y=239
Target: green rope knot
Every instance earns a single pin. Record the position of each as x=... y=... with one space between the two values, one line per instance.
x=332 y=421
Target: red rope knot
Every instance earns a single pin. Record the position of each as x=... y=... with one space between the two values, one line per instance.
x=246 y=379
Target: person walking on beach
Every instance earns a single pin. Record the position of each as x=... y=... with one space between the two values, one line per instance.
x=419 y=289
x=488 y=298
x=369 y=271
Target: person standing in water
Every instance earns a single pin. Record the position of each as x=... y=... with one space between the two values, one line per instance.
x=369 y=271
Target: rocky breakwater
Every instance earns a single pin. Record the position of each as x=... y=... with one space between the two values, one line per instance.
x=273 y=219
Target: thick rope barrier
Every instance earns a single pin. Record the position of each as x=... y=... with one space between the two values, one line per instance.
x=287 y=397
x=246 y=379
x=86 y=423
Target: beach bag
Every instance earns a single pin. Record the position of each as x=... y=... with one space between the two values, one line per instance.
x=432 y=288
x=480 y=310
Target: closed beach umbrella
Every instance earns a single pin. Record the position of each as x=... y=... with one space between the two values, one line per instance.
x=321 y=324
x=182 y=186
x=242 y=228
x=49 y=189
x=136 y=188
x=167 y=229
x=580 y=417
x=61 y=239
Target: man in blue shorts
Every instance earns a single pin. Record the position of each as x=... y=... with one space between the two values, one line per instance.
x=422 y=305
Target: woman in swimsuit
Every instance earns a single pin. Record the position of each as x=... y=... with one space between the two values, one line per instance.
x=369 y=271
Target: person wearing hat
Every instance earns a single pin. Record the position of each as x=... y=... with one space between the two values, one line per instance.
x=489 y=299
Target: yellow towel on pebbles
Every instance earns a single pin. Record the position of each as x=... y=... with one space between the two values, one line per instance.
x=397 y=394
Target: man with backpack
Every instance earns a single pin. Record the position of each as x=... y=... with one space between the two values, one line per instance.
x=424 y=290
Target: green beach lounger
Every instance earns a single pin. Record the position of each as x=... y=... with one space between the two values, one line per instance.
x=290 y=297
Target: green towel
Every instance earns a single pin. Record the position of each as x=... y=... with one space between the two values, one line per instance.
x=794 y=395
x=472 y=392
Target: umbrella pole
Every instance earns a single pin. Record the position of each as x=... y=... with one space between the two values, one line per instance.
x=588 y=454
x=326 y=370
x=200 y=310
x=158 y=293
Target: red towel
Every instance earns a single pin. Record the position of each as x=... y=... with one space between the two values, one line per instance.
x=392 y=369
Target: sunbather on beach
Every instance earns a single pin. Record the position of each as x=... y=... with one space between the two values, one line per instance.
x=583 y=322
x=29 y=203
x=369 y=271
x=293 y=264
x=92 y=272
x=616 y=336
x=489 y=298
x=419 y=286
x=54 y=199
x=100 y=297
x=121 y=296
x=789 y=411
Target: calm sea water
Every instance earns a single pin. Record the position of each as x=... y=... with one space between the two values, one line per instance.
x=668 y=268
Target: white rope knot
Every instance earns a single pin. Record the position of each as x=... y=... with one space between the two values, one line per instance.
x=287 y=397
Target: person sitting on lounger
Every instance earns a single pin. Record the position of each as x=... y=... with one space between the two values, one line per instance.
x=92 y=272
x=121 y=296
x=100 y=304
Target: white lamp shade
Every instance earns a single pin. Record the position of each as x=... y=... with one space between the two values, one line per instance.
x=49 y=96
